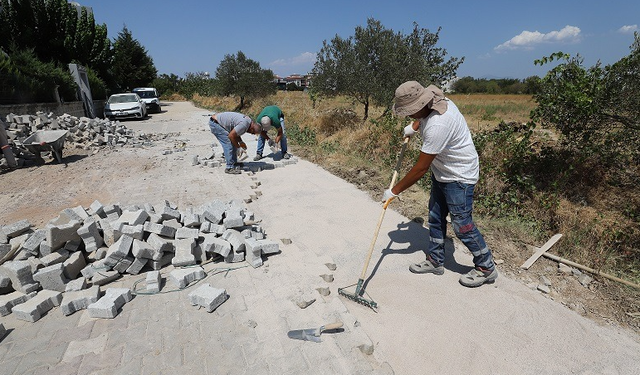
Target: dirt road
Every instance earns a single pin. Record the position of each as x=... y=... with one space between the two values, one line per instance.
x=425 y=323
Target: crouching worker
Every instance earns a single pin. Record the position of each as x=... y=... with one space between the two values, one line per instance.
x=448 y=149
x=228 y=127
x=272 y=116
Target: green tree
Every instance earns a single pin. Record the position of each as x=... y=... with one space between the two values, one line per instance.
x=243 y=77
x=167 y=84
x=596 y=109
x=132 y=66
x=370 y=65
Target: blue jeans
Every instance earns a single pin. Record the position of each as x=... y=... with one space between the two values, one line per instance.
x=283 y=141
x=455 y=199
x=230 y=155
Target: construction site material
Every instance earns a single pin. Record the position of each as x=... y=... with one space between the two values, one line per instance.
x=590 y=270
x=357 y=296
x=529 y=262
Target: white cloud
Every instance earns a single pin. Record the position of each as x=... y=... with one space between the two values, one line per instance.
x=529 y=39
x=302 y=59
x=628 y=29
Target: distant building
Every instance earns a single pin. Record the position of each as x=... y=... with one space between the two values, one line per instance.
x=302 y=81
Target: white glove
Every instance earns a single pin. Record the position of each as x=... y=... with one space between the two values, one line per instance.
x=388 y=194
x=408 y=130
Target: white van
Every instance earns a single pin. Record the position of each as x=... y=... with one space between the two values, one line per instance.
x=150 y=97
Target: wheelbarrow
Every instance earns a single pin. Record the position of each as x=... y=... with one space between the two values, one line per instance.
x=46 y=140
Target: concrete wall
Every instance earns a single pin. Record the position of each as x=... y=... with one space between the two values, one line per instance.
x=71 y=108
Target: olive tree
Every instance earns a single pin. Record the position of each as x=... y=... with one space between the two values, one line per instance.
x=596 y=109
x=243 y=77
x=372 y=63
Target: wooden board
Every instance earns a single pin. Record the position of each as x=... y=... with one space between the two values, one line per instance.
x=540 y=251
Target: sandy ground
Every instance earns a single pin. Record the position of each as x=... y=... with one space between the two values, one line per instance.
x=424 y=323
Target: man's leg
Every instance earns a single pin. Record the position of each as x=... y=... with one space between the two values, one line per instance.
x=283 y=140
x=260 y=147
x=438 y=211
x=223 y=138
x=460 y=200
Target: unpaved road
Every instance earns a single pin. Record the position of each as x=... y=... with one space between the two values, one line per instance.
x=425 y=324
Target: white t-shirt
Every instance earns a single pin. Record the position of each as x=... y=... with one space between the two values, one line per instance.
x=448 y=137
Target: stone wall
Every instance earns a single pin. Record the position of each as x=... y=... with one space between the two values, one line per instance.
x=72 y=108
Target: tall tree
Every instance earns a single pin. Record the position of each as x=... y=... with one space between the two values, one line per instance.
x=132 y=66
x=241 y=76
x=370 y=65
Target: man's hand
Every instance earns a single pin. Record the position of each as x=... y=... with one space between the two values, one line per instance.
x=271 y=142
x=243 y=145
x=388 y=194
x=408 y=130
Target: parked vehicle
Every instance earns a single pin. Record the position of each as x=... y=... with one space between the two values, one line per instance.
x=150 y=96
x=123 y=106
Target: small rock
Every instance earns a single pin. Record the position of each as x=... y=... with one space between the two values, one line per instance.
x=286 y=241
x=564 y=269
x=252 y=324
x=544 y=288
x=327 y=277
x=545 y=280
x=585 y=280
x=331 y=266
x=324 y=291
x=498 y=261
x=366 y=348
x=304 y=303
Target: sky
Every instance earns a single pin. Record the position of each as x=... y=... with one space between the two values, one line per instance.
x=497 y=38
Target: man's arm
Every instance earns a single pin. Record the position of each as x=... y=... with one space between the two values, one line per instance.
x=235 y=139
x=417 y=171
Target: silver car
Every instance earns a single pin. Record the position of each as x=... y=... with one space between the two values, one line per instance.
x=124 y=106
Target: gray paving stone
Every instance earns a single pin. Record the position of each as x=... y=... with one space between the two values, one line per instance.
x=184 y=276
x=33 y=309
x=78 y=300
x=21 y=275
x=208 y=297
x=52 y=277
x=108 y=306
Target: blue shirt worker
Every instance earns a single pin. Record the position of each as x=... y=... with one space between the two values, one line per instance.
x=272 y=116
x=448 y=149
x=228 y=127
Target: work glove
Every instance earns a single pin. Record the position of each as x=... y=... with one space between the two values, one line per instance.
x=387 y=195
x=272 y=143
x=408 y=130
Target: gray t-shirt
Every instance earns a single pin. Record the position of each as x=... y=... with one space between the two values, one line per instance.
x=234 y=120
x=448 y=137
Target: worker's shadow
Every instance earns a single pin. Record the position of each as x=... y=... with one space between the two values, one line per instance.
x=416 y=236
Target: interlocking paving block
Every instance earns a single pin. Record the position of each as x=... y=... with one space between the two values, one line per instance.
x=16 y=229
x=52 y=277
x=8 y=301
x=33 y=309
x=58 y=236
x=20 y=273
x=208 y=297
x=109 y=305
x=214 y=244
x=184 y=276
x=90 y=235
x=118 y=251
x=184 y=255
x=154 y=281
x=32 y=244
x=160 y=229
x=74 y=265
x=73 y=301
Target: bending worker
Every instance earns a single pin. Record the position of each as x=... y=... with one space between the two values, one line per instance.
x=448 y=149
x=228 y=127
x=272 y=116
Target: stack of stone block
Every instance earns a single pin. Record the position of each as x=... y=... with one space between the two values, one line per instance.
x=82 y=132
x=83 y=249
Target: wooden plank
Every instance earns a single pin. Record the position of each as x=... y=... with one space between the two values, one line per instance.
x=540 y=251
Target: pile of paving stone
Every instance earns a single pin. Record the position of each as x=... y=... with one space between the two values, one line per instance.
x=67 y=262
x=82 y=132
